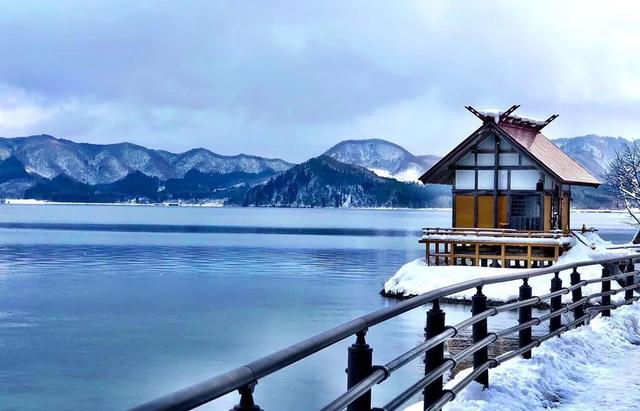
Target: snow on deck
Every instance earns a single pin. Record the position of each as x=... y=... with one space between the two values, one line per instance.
x=594 y=367
x=416 y=277
x=487 y=239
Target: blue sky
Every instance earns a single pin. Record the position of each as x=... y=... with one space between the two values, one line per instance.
x=290 y=79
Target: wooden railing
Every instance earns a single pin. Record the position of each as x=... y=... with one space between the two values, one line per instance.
x=363 y=375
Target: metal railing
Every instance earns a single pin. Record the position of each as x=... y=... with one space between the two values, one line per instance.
x=362 y=375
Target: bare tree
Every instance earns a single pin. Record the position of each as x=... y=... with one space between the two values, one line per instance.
x=623 y=177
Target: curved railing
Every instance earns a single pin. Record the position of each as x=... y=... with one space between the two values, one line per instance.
x=362 y=375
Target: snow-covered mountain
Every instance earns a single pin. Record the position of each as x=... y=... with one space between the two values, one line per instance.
x=48 y=156
x=326 y=182
x=207 y=161
x=592 y=151
x=384 y=158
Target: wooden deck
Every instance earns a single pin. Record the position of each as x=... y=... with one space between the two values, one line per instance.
x=493 y=247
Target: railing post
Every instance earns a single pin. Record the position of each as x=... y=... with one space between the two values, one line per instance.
x=555 y=303
x=524 y=315
x=479 y=305
x=246 y=399
x=576 y=295
x=606 y=286
x=435 y=356
x=628 y=294
x=359 y=366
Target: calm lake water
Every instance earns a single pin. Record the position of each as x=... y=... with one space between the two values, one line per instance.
x=103 y=307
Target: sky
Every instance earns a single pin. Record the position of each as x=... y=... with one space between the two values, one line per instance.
x=290 y=79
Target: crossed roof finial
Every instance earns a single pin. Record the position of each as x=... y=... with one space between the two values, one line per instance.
x=507 y=117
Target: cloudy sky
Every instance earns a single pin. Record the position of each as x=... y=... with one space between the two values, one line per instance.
x=289 y=79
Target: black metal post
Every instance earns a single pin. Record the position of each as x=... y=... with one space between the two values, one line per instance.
x=246 y=399
x=479 y=305
x=628 y=294
x=555 y=303
x=360 y=362
x=606 y=286
x=434 y=357
x=576 y=295
x=524 y=315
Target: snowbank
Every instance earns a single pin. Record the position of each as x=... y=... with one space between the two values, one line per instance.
x=488 y=239
x=416 y=277
x=592 y=367
x=23 y=201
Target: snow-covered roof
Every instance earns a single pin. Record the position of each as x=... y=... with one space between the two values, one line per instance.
x=496 y=114
x=524 y=134
x=544 y=151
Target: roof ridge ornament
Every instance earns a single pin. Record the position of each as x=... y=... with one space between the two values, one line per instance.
x=507 y=117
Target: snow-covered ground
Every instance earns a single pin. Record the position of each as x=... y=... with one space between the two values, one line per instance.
x=23 y=201
x=20 y=201
x=594 y=367
x=410 y=174
x=416 y=277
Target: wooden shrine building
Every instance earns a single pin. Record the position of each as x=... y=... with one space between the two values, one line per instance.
x=507 y=177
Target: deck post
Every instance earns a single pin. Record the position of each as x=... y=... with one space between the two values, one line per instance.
x=576 y=295
x=524 y=315
x=246 y=399
x=555 y=303
x=606 y=286
x=360 y=363
x=479 y=305
x=628 y=294
x=428 y=252
x=435 y=356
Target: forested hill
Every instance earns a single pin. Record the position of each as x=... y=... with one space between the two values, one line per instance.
x=326 y=182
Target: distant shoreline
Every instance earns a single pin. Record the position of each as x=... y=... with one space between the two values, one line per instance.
x=215 y=204
x=211 y=205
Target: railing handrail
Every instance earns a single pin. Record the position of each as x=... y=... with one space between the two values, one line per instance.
x=245 y=375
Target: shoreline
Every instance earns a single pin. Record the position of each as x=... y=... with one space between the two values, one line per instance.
x=458 y=301
x=214 y=204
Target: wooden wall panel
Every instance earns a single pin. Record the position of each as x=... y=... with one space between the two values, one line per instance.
x=485 y=211
x=503 y=221
x=464 y=211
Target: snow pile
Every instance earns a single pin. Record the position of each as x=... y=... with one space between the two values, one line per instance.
x=493 y=238
x=416 y=277
x=591 y=367
x=492 y=112
x=496 y=113
x=411 y=174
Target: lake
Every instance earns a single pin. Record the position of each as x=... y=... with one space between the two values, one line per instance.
x=104 y=307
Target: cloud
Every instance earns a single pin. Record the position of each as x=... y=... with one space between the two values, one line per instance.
x=291 y=78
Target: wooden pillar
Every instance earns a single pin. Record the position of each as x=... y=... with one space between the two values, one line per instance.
x=452 y=260
x=496 y=164
x=477 y=255
x=428 y=252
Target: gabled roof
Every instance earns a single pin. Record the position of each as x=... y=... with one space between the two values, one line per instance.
x=525 y=138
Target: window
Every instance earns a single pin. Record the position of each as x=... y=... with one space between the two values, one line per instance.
x=524 y=179
x=465 y=179
x=485 y=179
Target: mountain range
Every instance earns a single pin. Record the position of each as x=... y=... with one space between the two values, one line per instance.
x=48 y=157
x=355 y=173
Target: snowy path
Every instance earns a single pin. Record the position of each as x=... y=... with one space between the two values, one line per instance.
x=616 y=387
x=593 y=367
